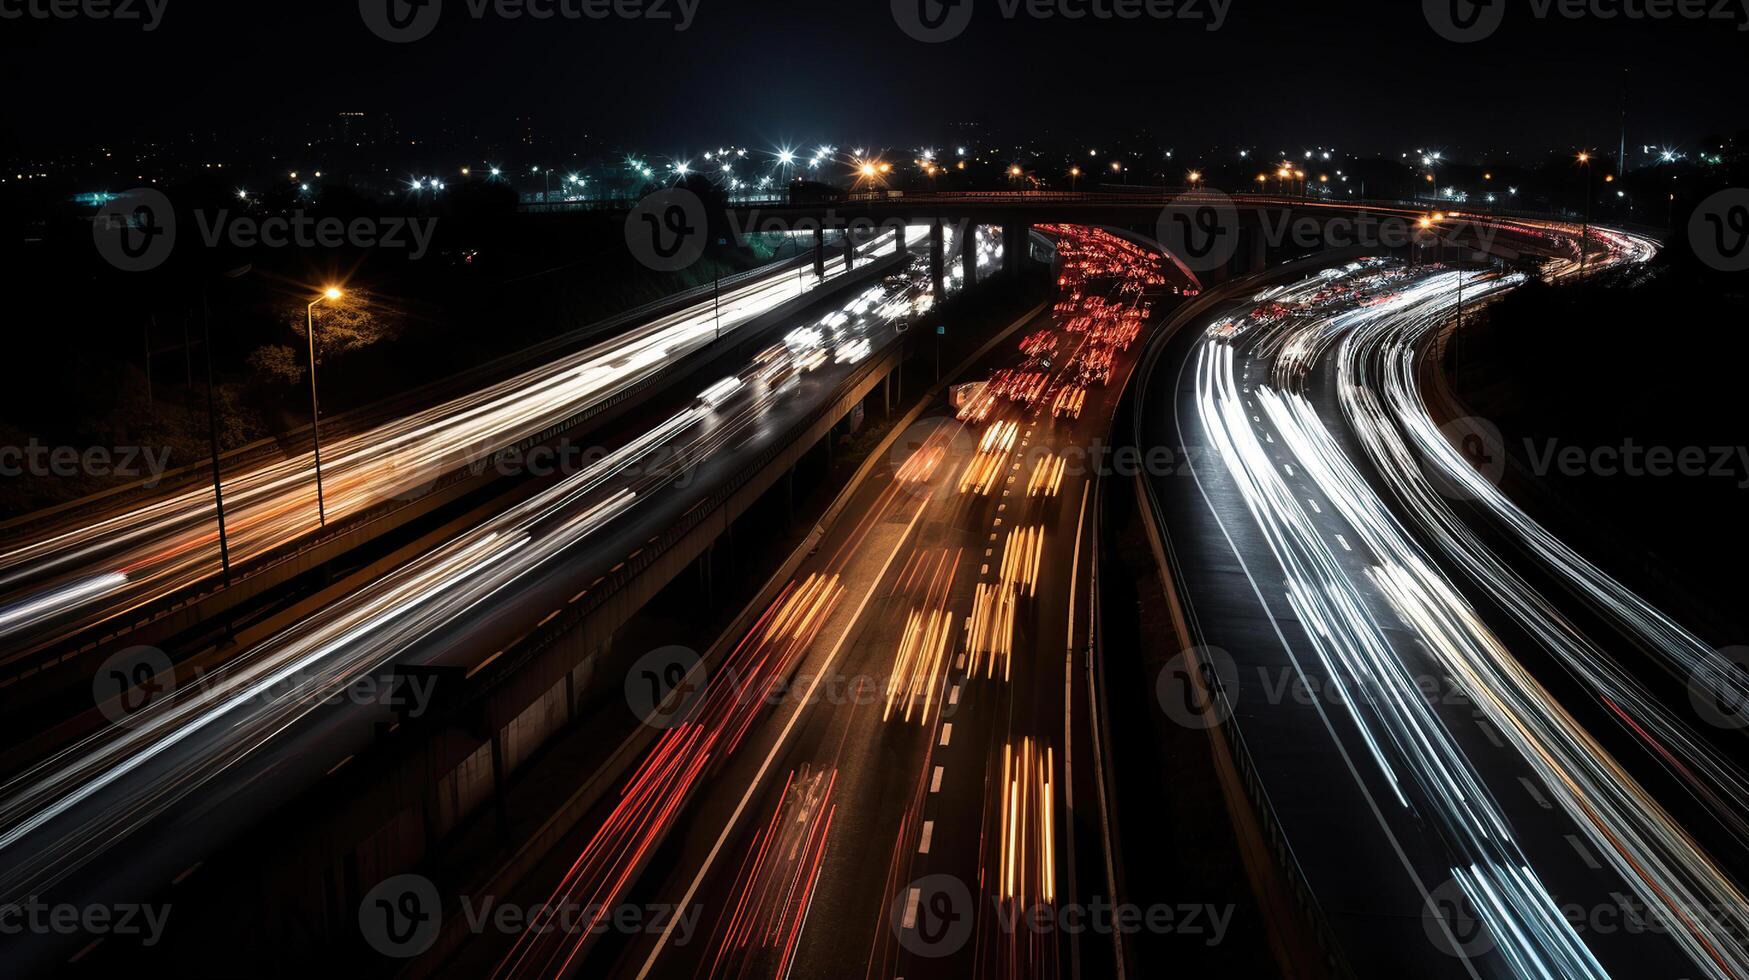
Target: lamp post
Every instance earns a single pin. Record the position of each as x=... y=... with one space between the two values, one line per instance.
x=315 y=413
x=1585 y=228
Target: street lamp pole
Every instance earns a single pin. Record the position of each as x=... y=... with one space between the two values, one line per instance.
x=213 y=432
x=1585 y=228
x=315 y=412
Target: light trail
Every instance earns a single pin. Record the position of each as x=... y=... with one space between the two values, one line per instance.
x=80 y=803
x=70 y=578
x=1267 y=432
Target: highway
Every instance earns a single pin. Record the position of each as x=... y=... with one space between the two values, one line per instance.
x=888 y=767
x=63 y=579
x=122 y=811
x=1478 y=781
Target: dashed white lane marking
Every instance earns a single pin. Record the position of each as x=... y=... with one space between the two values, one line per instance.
x=1343 y=542
x=1315 y=508
x=1535 y=794
x=935 y=781
x=960 y=663
x=928 y=832
x=1488 y=730
x=911 y=898
x=1584 y=852
x=1289 y=469
x=946 y=733
x=953 y=697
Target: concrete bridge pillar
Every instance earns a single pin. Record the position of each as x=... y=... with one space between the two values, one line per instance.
x=1014 y=247
x=937 y=259
x=819 y=252
x=969 y=253
x=849 y=248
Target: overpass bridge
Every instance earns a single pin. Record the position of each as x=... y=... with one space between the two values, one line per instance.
x=1251 y=229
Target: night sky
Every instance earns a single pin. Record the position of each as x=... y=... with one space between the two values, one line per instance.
x=1362 y=77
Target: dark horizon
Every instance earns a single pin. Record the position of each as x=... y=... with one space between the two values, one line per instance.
x=1365 y=78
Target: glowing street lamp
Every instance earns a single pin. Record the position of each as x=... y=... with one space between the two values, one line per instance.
x=330 y=294
x=1585 y=228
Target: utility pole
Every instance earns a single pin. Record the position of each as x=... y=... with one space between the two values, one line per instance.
x=1621 y=157
x=212 y=419
x=1585 y=228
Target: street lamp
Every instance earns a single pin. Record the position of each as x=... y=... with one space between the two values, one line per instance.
x=1074 y=175
x=1585 y=228
x=329 y=294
